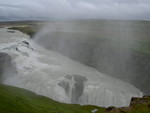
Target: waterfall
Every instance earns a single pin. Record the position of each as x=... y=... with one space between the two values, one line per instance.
x=56 y=76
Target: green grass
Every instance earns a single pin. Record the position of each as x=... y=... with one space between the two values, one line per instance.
x=140 y=109
x=17 y=100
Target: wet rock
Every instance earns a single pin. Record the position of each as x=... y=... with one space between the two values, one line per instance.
x=65 y=85
x=74 y=86
x=110 y=108
x=6 y=66
x=11 y=31
x=17 y=49
x=69 y=77
x=78 y=87
x=149 y=105
x=25 y=42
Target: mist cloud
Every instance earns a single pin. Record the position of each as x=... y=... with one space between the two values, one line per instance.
x=75 y=9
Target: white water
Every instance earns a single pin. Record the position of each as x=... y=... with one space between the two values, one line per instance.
x=60 y=78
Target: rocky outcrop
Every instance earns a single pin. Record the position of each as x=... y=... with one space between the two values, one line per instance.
x=6 y=66
x=137 y=105
x=143 y=100
x=74 y=86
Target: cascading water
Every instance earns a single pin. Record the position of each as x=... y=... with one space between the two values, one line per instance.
x=53 y=75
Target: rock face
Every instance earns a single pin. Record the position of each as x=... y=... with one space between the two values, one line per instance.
x=137 y=105
x=74 y=87
x=143 y=100
x=6 y=66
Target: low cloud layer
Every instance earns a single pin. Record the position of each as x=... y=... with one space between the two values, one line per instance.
x=75 y=9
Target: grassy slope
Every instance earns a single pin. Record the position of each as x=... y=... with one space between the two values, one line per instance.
x=16 y=100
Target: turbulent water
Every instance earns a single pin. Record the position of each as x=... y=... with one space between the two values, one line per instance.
x=60 y=78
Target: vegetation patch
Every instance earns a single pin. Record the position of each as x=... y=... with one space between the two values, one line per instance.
x=26 y=29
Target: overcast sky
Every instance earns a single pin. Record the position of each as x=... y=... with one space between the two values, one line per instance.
x=75 y=9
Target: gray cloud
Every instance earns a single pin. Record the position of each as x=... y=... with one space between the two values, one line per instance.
x=74 y=9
